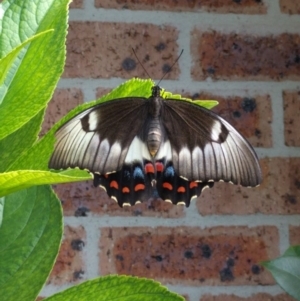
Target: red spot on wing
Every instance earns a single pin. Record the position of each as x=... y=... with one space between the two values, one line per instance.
x=193 y=185
x=167 y=186
x=159 y=167
x=139 y=187
x=114 y=184
x=181 y=189
x=149 y=168
x=125 y=190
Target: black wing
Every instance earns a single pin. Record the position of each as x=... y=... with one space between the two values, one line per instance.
x=106 y=140
x=98 y=138
x=207 y=148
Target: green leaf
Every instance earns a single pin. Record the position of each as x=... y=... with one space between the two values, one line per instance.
x=123 y=288
x=30 y=236
x=286 y=271
x=20 y=179
x=7 y=62
x=17 y=143
x=33 y=75
x=1 y=209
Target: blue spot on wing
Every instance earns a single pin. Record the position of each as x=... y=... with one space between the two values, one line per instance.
x=138 y=173
x=170 y=172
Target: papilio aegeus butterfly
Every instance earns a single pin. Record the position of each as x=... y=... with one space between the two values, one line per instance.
x=138 y=147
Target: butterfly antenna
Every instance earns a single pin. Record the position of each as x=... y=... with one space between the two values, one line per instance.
x=140 y=63
x=169 y=70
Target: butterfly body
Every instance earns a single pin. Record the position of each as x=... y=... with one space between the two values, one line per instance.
x=137 y=148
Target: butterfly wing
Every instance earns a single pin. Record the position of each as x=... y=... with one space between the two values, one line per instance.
x=104 y=139
x=206 y=148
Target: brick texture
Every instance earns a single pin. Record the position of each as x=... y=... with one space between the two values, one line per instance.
x=83 y=199
x=63 y=101
x=294 y=235
x=191 y=256
x=105 y=50
x=290 y=6
x=256 y=297
x=236 y=56
x=279 y=192
x=69 y=266
x=221 y=6
x=291 y=101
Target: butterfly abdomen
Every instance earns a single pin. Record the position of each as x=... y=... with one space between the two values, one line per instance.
x=154 y=128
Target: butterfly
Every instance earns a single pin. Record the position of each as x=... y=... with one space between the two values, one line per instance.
x=137 y=148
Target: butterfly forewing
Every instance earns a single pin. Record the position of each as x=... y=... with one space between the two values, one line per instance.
x=206 y=147
x=98 y=138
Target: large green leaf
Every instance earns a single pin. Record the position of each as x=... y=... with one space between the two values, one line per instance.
x=286 y=271
x=30 y=235
x=17 y=143
x=33 y=75
x=123 y=288
x=7 y=62
x=15 y=180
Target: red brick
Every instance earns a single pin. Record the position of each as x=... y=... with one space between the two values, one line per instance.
x=101 y=92
x=279 y=192
x=63 y=101
x=190 y=255
x=291 y=117
x=290 y=6
x=256 y=297
x=295 y=235
x=220 y=6
x=76 y=4
x=104 y=50
x=251 y=116
x=69 y=266
x=235 y=56
x=82 y=199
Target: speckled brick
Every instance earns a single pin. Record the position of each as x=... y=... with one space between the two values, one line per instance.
x=190 y=255
x=63 y=101
x=101 y=92
x=251 y=115
x=256 y=297
x=220 y=6
x=104 y=50
x=290 y=6
x=83 y=199
x=69 y=266
x=237 y=57
x=76 y=4
x=279 y=192
x=291 y=117
x=294 y=235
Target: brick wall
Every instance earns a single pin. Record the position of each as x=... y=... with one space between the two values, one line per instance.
x=244 y=53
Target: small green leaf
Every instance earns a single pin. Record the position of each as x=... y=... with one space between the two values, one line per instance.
x=21 y=179
x=30 y=236
x=123 y=288
x=286 y=271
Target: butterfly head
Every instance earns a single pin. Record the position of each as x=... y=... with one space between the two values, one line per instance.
x=156 y=91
